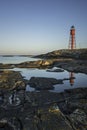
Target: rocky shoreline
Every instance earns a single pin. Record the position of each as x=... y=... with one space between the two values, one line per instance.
x=71 y=65
x=44 y=109
x=38 y=110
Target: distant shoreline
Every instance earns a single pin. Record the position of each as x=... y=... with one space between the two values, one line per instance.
x=17 y=55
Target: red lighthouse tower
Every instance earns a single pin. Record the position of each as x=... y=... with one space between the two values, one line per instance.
x=72 y=41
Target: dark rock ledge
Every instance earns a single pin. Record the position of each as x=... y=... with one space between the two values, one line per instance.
x=42 y=83
x=53 y=111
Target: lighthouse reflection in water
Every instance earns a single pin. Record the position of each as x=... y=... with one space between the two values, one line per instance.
x=72 y=78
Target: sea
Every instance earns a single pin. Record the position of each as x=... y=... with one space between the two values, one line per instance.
x=78 y=80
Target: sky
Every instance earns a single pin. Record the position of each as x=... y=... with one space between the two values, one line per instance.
x=41 y=26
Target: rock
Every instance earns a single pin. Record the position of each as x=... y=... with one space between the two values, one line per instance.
x=5 y=125
x=66 y=53
x=19 y=85
x=55 y=70
x=42 y=83
x=10 y=79
x=6 y=66
x=45 y=110
x=79 y=119
x=35 y=64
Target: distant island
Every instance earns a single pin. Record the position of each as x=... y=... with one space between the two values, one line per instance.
x=16 y=55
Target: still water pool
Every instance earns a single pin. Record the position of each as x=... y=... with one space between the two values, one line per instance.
x=79 y=80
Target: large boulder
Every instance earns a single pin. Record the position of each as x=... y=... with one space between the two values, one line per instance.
x=42 y=83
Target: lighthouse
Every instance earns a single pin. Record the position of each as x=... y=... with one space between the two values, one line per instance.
x=72 y=41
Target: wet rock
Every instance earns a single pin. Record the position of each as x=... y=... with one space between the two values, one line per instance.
x=79 y=119
x=55 y=70
x=41 y=83
x=4 y=125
